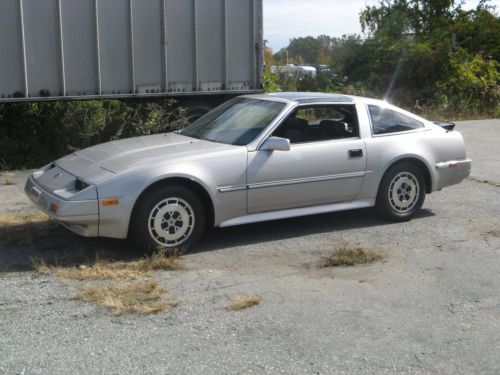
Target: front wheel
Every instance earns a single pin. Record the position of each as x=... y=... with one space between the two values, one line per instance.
x=169 y=217
x=401 y=193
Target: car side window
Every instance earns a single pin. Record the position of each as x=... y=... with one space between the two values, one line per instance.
x=319 y=123
x=386 y=121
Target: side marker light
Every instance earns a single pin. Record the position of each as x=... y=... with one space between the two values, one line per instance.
x=110 y=202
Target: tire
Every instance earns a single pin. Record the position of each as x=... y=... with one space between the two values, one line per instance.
x=168 y=217
x=401 y=192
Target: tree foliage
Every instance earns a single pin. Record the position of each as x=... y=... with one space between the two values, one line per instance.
x=429 y=55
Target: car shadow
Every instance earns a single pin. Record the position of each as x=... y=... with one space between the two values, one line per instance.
x=221 y=238
x=23 y=244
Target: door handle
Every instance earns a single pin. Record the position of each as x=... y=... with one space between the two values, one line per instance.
x=356 y=153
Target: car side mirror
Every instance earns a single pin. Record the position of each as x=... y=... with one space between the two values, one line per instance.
x=276 y=144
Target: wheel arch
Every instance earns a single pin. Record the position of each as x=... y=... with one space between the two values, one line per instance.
x=420 y=164
x=184 y=181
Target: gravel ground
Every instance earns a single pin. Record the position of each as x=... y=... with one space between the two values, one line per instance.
x=432 y=307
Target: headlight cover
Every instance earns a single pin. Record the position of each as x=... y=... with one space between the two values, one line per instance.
x=80 y=185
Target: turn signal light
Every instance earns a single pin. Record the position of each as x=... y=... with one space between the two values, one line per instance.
x=54 y=207
x=110 y=202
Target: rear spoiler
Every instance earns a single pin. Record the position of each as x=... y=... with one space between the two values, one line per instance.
x=445 y=125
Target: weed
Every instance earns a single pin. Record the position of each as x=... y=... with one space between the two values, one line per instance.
x=243 y=302
x=144 y=297
x=8 y=179
x=346 y=254
x=493 y=233
x=4 y=172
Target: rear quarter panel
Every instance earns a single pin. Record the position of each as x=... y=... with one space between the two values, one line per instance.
x=430 y=145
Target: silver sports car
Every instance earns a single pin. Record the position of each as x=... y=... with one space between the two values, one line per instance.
x=254 y=158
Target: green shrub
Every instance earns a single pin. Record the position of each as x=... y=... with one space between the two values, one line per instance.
x=473 y=84
x=271 y=82
x=33 y=134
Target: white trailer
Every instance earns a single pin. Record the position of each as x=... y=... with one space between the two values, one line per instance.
x=88 y=49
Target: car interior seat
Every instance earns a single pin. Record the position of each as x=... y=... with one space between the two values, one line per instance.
x=295 y=129
x=331 y=129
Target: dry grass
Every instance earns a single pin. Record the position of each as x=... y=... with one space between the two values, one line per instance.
x=493 y=233
x=346 y=254
x=144 y=297
x=132 y=288
x=100 y=270
x=243 y=302
x=106 y=270
x=6 y=175
x=22 y=219
x=159 y=261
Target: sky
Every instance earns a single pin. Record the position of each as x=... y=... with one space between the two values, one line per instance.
x=286 y=19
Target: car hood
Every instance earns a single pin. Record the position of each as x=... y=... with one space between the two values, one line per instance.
x=115 y=157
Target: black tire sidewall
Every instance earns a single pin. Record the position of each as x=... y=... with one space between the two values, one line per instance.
x=139 y=224
x=384 y=206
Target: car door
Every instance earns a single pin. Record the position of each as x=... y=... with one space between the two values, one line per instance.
x=316 y=170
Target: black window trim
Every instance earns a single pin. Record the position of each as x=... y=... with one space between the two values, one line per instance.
x=309 y=105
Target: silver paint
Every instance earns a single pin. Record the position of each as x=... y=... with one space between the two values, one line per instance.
x=244 y=183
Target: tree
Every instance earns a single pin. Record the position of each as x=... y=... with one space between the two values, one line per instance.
x=423 y=54
x=304 y=49
x=268 y=56
x=411 y=46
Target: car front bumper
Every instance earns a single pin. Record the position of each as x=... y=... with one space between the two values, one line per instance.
x=81 y=217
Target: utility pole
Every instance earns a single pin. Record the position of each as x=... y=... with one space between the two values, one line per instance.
x=286 y=51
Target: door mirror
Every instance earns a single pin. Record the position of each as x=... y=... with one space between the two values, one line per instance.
x=276 y=144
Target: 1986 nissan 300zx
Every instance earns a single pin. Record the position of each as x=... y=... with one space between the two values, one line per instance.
x=254 y=158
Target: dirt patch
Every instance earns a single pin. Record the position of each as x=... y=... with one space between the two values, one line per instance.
x=482 y=181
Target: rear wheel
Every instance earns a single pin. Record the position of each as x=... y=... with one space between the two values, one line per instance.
x=401 y=193
x=170 y=217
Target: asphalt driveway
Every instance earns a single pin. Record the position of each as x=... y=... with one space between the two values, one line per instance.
x=433 y=305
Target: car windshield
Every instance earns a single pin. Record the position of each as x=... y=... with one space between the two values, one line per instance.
x=236 y=122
